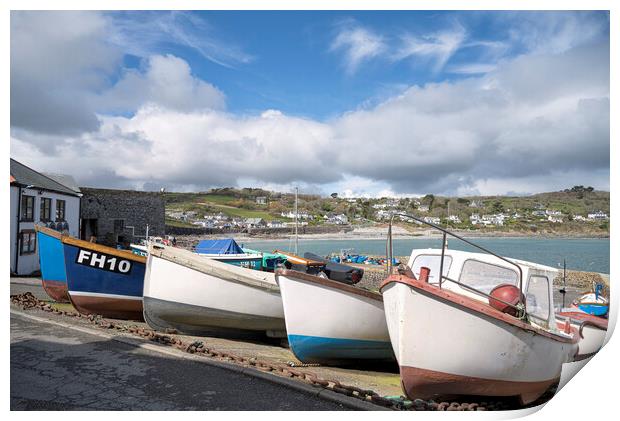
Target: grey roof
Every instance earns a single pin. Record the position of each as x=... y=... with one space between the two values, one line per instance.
x=28 y=177
x=64 y=179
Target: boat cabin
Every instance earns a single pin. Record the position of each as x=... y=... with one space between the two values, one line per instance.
x=471 y=274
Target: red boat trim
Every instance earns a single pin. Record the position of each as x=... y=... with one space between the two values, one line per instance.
x=103 y=249
x=476 y=306
x=328 y=283
x=114 y=308
x=597 y=321
x=57 y=290
x=425 y=384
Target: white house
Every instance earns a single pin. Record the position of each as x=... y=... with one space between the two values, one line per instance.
x=454 y=218
x=432 y=220
x=599 y=215
x=423 y=208
x=39 y=199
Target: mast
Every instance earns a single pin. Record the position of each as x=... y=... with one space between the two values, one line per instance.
x=296 y=219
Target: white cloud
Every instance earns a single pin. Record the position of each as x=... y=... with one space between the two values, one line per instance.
x=358 y=44
x=142 y=35
x=168 y=82
x=57 y=61
x=536 y=122
x=437 y=47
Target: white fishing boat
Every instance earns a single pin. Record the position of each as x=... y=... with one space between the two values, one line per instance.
x=486 y=327
x=329 y=322
x=198 y=295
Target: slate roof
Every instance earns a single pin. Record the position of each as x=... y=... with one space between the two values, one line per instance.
x=64 y=179
x=25 y=176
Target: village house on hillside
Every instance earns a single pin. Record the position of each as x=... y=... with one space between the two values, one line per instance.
x=36 y=198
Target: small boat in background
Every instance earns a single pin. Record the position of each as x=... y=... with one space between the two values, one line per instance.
x=592 y=329
x=328 y=322
x=104 y=280
x=202 y=296
x=228 y=251
x=301 y=264
x=338 y=271
x=52 y=262
x=593 y=302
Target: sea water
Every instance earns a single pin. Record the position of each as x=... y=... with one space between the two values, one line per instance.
x=586 y=254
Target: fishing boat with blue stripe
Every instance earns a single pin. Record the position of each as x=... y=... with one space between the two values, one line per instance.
x=104 y=280
x=331 y=323
x=593 y=303
x=52 y=262
x=228 y=251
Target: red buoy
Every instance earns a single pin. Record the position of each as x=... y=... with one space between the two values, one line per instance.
x=507 y=293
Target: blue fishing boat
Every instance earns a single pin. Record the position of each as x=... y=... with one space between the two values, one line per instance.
x=593 y=303
x=103 y=280
x=52 y=263
x=228 y=251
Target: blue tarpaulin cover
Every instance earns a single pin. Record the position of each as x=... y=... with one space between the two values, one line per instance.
x=225 y=246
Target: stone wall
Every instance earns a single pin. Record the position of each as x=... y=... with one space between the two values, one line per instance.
x=102 y=207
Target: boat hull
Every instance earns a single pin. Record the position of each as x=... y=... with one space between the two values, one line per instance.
x=199 y=303
x=444 y=349
x=51 y=260
x=331 y=323
x=94 y=288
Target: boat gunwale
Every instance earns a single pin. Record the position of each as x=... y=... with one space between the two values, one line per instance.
x=576 y=317
x=206 y=268
x=103 y=249
x=48 y=231
x=476 y=306
x=329 y=283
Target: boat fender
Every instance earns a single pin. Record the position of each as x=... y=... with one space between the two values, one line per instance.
x=567 y=327
x=503 y=295
x=424 y=274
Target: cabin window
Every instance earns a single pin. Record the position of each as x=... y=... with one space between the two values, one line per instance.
x=46 y=209
x=60 y=210
x=27 y=242
x=27 y=208
x=486 y=276
x=432 y=262
x=537 y=299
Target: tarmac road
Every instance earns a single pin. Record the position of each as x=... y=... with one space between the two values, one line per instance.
x=56 y=368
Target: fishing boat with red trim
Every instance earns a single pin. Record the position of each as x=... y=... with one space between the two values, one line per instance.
x=52 y=263
x=104 y=280
x=475 y=324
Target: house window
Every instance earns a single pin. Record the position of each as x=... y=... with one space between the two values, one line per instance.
x=119 y=225
x=46 y=209
x=27 y=242
x=60 y=210
x=27 y=208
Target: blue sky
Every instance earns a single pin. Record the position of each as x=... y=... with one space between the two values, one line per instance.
x=362 y=103
x=286 y=60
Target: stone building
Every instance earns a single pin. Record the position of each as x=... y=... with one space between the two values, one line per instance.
x=121 y=216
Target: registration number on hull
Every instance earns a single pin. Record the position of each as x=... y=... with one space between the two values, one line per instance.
x=103 y=261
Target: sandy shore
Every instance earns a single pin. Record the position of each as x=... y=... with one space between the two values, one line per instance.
x=380 y=232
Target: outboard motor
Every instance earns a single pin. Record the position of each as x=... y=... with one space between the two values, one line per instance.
x=337 y=271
